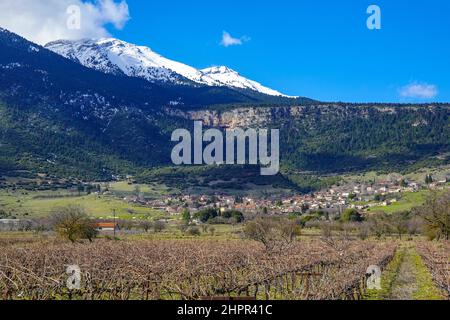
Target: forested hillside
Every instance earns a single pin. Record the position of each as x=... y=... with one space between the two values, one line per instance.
x=60 y=118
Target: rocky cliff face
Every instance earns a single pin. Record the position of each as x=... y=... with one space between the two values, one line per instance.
x=241 y=117
x=262 y=116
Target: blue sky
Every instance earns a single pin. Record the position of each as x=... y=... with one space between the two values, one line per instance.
x=316 y=48
x=320 y=49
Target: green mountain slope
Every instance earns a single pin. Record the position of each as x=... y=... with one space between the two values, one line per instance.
x=62 y=119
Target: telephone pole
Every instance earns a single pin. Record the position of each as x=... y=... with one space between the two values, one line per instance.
x=114 y=214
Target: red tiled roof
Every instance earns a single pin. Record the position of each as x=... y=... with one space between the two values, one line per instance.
x=106 y=225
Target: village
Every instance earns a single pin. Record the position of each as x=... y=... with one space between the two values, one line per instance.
x=332 y=201
x=387 y=194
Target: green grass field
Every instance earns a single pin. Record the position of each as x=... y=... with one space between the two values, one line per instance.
x=40 y=204
x=172 y=232
x=407 y=202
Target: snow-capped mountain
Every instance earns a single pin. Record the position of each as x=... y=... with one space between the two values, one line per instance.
x=121 y=58
x=231 y=78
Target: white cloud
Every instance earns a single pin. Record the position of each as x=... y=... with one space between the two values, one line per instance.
x=419 y=90
x=43 y=21
x=228 y=40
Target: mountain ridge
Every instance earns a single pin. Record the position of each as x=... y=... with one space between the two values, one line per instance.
x=61 y=118
x=118 y=57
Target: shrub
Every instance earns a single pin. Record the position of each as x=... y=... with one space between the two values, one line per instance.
x=186 y=215
x=73 y=223
x=194 y=231
x=351 y=215
x=159 y=226
x=233 y=214
x=205 y=215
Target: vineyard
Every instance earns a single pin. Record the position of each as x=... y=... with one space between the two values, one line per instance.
x=191 y=270
x=436 y=257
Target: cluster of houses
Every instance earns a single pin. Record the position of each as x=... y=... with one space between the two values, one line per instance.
x=334 y=200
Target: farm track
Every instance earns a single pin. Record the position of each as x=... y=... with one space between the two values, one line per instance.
x=410 y=278
x=405 y=283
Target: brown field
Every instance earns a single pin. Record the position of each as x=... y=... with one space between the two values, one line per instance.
x=436 y=257
x=190 y=269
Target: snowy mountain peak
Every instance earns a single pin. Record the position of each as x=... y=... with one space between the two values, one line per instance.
x=218 y=70
x=118 y=57
x=231 y=78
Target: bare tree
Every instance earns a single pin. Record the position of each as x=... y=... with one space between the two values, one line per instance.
x=399 y=223
x=378 y=224
x=274 y=234
x=146 y=225
x=73 y=223
x=436 y=215
x=159 y=226
x=260 y=230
